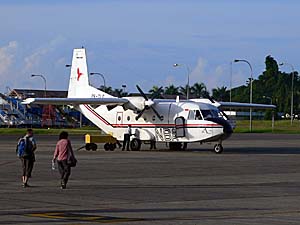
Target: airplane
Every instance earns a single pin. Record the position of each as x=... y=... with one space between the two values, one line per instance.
x=176 y=122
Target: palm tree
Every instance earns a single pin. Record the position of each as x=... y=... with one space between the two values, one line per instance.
x=220 y=93
x=156 y=92
x=183 y=90
x=199 y=90
x=106 y=89
x=171 y=90
x=119 y=93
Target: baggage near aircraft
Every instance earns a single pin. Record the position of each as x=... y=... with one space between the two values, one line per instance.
x=176 y=122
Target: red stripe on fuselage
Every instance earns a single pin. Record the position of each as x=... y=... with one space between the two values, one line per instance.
x=145 y=124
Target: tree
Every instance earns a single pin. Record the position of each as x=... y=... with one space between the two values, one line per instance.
x=106 y=89
x=199 y=90
x=119 y=93
x=220 y=93
x=156 y=92
x=171 y=90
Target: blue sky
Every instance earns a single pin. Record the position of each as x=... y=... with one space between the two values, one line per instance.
x=137 y=42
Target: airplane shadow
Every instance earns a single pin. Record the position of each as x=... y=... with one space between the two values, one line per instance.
x=255 y=150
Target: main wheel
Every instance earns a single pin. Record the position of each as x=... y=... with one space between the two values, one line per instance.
x=218 y=148
x=135 y=144
x=175 y=146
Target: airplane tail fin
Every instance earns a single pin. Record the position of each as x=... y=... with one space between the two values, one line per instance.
x=79 y=86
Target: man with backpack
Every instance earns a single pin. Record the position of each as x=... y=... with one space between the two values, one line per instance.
x=25 y=151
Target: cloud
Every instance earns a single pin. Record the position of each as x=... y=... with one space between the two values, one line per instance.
x=7 y=55
x=33 y=60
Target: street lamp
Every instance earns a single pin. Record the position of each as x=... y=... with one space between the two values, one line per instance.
x=292 y=94
x=245 y=61
x=230 y=81
x=273 y=119
x=100 y=74
x=41 y=76
x=188 y=78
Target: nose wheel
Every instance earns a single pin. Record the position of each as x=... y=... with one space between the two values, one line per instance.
x=218 y=148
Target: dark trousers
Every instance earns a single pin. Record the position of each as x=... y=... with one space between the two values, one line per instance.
x=27 y=165
x=64 y=170
x=126 y=142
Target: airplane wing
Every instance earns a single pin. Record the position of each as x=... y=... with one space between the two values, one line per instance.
x=75 y=101
x=245 y=105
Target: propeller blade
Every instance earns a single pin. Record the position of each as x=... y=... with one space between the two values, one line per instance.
x=142 y=93
x=157 y=93
x=140 y=113
x=157 y=114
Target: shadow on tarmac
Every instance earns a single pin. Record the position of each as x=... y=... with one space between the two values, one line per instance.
x=254 y=150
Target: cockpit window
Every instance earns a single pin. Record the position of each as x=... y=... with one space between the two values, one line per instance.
x=210 y=113
x=198 y=115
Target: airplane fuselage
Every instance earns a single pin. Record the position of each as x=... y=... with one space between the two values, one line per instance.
x=179 y=122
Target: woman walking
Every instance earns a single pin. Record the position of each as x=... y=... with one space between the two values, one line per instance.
x=64 y=154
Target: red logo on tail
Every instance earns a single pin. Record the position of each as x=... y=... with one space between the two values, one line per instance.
x=78 y=74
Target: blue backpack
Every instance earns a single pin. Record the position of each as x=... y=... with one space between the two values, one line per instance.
x=21 y=148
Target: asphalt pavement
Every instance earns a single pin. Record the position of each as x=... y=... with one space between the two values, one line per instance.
x=255 y=181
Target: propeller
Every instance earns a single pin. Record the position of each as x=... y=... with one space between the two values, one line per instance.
x=148 y=104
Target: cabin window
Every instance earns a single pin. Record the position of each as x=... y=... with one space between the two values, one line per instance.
x=145 y=118
x=153 y=117
x=191 y=115
x=128 y=118
x=119 y=118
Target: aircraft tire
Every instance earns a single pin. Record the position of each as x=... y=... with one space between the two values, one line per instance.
x=135 y=144
x=218 y=149
x=175 y=146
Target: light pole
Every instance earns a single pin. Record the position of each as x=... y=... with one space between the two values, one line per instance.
x=100 y=74
x=45 y=82
x=273 y=119
x=188 y=78
x=243 y=60
x=292 y=94
x=230 y=81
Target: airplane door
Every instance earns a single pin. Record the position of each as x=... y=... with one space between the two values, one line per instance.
x=180 y=126
x=119 y=118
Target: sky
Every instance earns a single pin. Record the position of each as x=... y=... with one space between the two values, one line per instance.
x=136 y=42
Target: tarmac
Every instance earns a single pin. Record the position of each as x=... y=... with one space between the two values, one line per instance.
x=255 y=181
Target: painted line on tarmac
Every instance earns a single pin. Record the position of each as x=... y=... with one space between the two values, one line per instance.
x=82 y=217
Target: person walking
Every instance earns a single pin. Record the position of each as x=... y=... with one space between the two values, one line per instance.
x=27 y=156
x=62 y=154
x=127 y=135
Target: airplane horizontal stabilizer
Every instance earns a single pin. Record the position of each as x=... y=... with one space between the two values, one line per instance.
x=75 y=101
x=245 y=105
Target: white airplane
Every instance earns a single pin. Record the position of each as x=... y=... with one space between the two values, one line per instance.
x=176 y=122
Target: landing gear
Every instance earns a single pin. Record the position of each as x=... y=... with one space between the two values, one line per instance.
x=218 y=148
x=178 y=146
x=135 y=144
x=91 y=146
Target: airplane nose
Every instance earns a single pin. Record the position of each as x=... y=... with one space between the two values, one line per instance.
x=227 y=129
